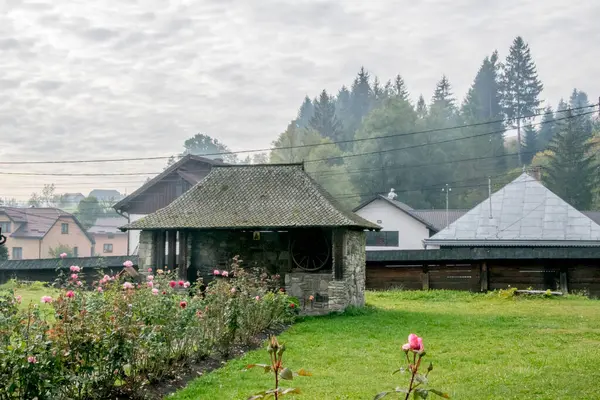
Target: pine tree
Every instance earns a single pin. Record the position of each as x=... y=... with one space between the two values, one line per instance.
x=400 y=90
x=361 y=96
x=305 y=113
x=342 y=104
x=421 y=107
x=579 y=103
x=520 y=86
x=547 y=129
x=530 y=144
x=443 y=103
x=324 y=120
x=572 y=171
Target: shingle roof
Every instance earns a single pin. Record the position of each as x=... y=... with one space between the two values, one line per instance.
x=107 y=225
x=524 y=212
x=437 y=218
x=36 y=222
x=189 y=176
x=54 y=263
x=253 y=196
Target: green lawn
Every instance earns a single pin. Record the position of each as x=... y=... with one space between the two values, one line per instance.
x=483 y=347
x=30 y=294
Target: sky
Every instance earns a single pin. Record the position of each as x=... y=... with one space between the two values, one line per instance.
x=107 y=78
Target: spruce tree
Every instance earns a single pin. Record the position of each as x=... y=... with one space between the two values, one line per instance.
x=400 y=90
x=521 y=86
x=572 y=171
x=579 y=103
x=361 y=95
x=305 y=113
x=547 y=129
x=324 y=120
x=530 y=144
x=421 y=107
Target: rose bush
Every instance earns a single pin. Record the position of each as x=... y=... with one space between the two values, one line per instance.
x=123 y=335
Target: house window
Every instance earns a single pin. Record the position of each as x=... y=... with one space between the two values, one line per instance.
x=75 y=251
x=64 y=229
x=5 y=227
x=383 y=238
x=108 y=247
x=17 y=253
x=111 y=235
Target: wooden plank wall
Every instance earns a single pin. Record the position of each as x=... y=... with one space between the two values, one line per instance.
x=581 y=277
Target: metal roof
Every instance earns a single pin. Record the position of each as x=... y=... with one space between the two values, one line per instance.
x=105 y=225
x=524 y=213
x=54 y=263
x=253 y=196
x=437 y=217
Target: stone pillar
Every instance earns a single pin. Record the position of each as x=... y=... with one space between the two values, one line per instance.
x=146 y=251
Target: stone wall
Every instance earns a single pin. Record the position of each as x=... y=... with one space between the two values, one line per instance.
x=145 y=251
x=331 y=294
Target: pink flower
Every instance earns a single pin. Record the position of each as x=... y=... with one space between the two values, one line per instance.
x=31 y=360
x=100 y=290
x=149 y=269
x=18 y=298
x=232 y=290
x=292 y=305
x=150 y=277
x=415 y=344
x=46 y=299
x=172 y=284
x=257 y=298
x=187 y=285
x=150 y=284
x=74 y=268
x=63 y=255
x=183 y=304
x=216 y=272
x=74 y=277
x=155 y=291
x=127 y=285
x=70 y=294
x=225 y=274
x=311 y=298
x=128 y=263
x=79 y=283
x=181 y=283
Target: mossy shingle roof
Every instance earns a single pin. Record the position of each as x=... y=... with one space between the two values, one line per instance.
x=253 y=196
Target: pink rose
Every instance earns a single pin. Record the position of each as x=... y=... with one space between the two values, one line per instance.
x=155 y=291
x=75 y=268
x=232 y=290
x=70 y=294
x=74 y=277
x=127 y=285
x=150 y=284
x=100 y=290
x=225 y=274
x=415 y=343
x=79 y=283
x=128 y=263
x=187 y=285
x=181 y=283
x=18 y=298
x=257 y=298
x=150 y=277
x=173 y=284
x=31 y=360
x=149 y=269
x=183 y=304
x=63 y=255
x=406 y=347
x=216 y=272
x=46 y=299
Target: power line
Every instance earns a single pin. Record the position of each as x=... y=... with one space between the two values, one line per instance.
x=294 y=147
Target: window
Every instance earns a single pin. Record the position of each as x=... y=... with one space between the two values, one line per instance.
x=108 y=248
x=17 y=253
x=75 y=251
x=5 y=227
x=64 y=229
x=383 y=238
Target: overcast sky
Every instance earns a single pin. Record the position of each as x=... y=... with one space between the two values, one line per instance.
x=127 y=78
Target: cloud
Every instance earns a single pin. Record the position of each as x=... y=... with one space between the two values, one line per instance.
x=92 y=80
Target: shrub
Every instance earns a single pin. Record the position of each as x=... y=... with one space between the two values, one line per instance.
x=123 y=335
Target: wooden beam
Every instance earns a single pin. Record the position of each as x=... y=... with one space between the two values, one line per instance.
x=160 y=249
x=485 y=283
x=172 y=250
x=183 y=257
x=425 y=278
x=564 y=281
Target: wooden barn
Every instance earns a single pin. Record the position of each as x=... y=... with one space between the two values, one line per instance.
x=272 y=216
x=523 y=236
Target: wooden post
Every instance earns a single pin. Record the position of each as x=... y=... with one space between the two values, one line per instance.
x=172 y=249
x=564 y=281
x=182 y=263
x=485 y=283
x=160 y=249
x=425 y=278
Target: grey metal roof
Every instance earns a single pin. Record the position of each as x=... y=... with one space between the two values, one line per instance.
x=524 y=212
x=437 y=218
x=253 y=196
x=54 y=263
x=105 y=225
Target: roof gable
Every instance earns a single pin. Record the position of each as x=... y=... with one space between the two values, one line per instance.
x=524 y=212
x=189 y=176
x=398 y=205
x=253 y=196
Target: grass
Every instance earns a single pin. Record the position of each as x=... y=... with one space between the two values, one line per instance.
x=482 y=347
x=30 y=293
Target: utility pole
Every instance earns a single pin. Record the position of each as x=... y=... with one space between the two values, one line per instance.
x=447 y=189
x=490 y=195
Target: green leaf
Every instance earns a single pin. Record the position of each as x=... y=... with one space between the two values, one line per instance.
x=290 y=391
x=421 y=393
x=421 y=379
x=286 y=374
x=440 y=393
x=303 y=372
x=380 y=395
x=127 y=369
x=430 y=368
x=400 y=370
